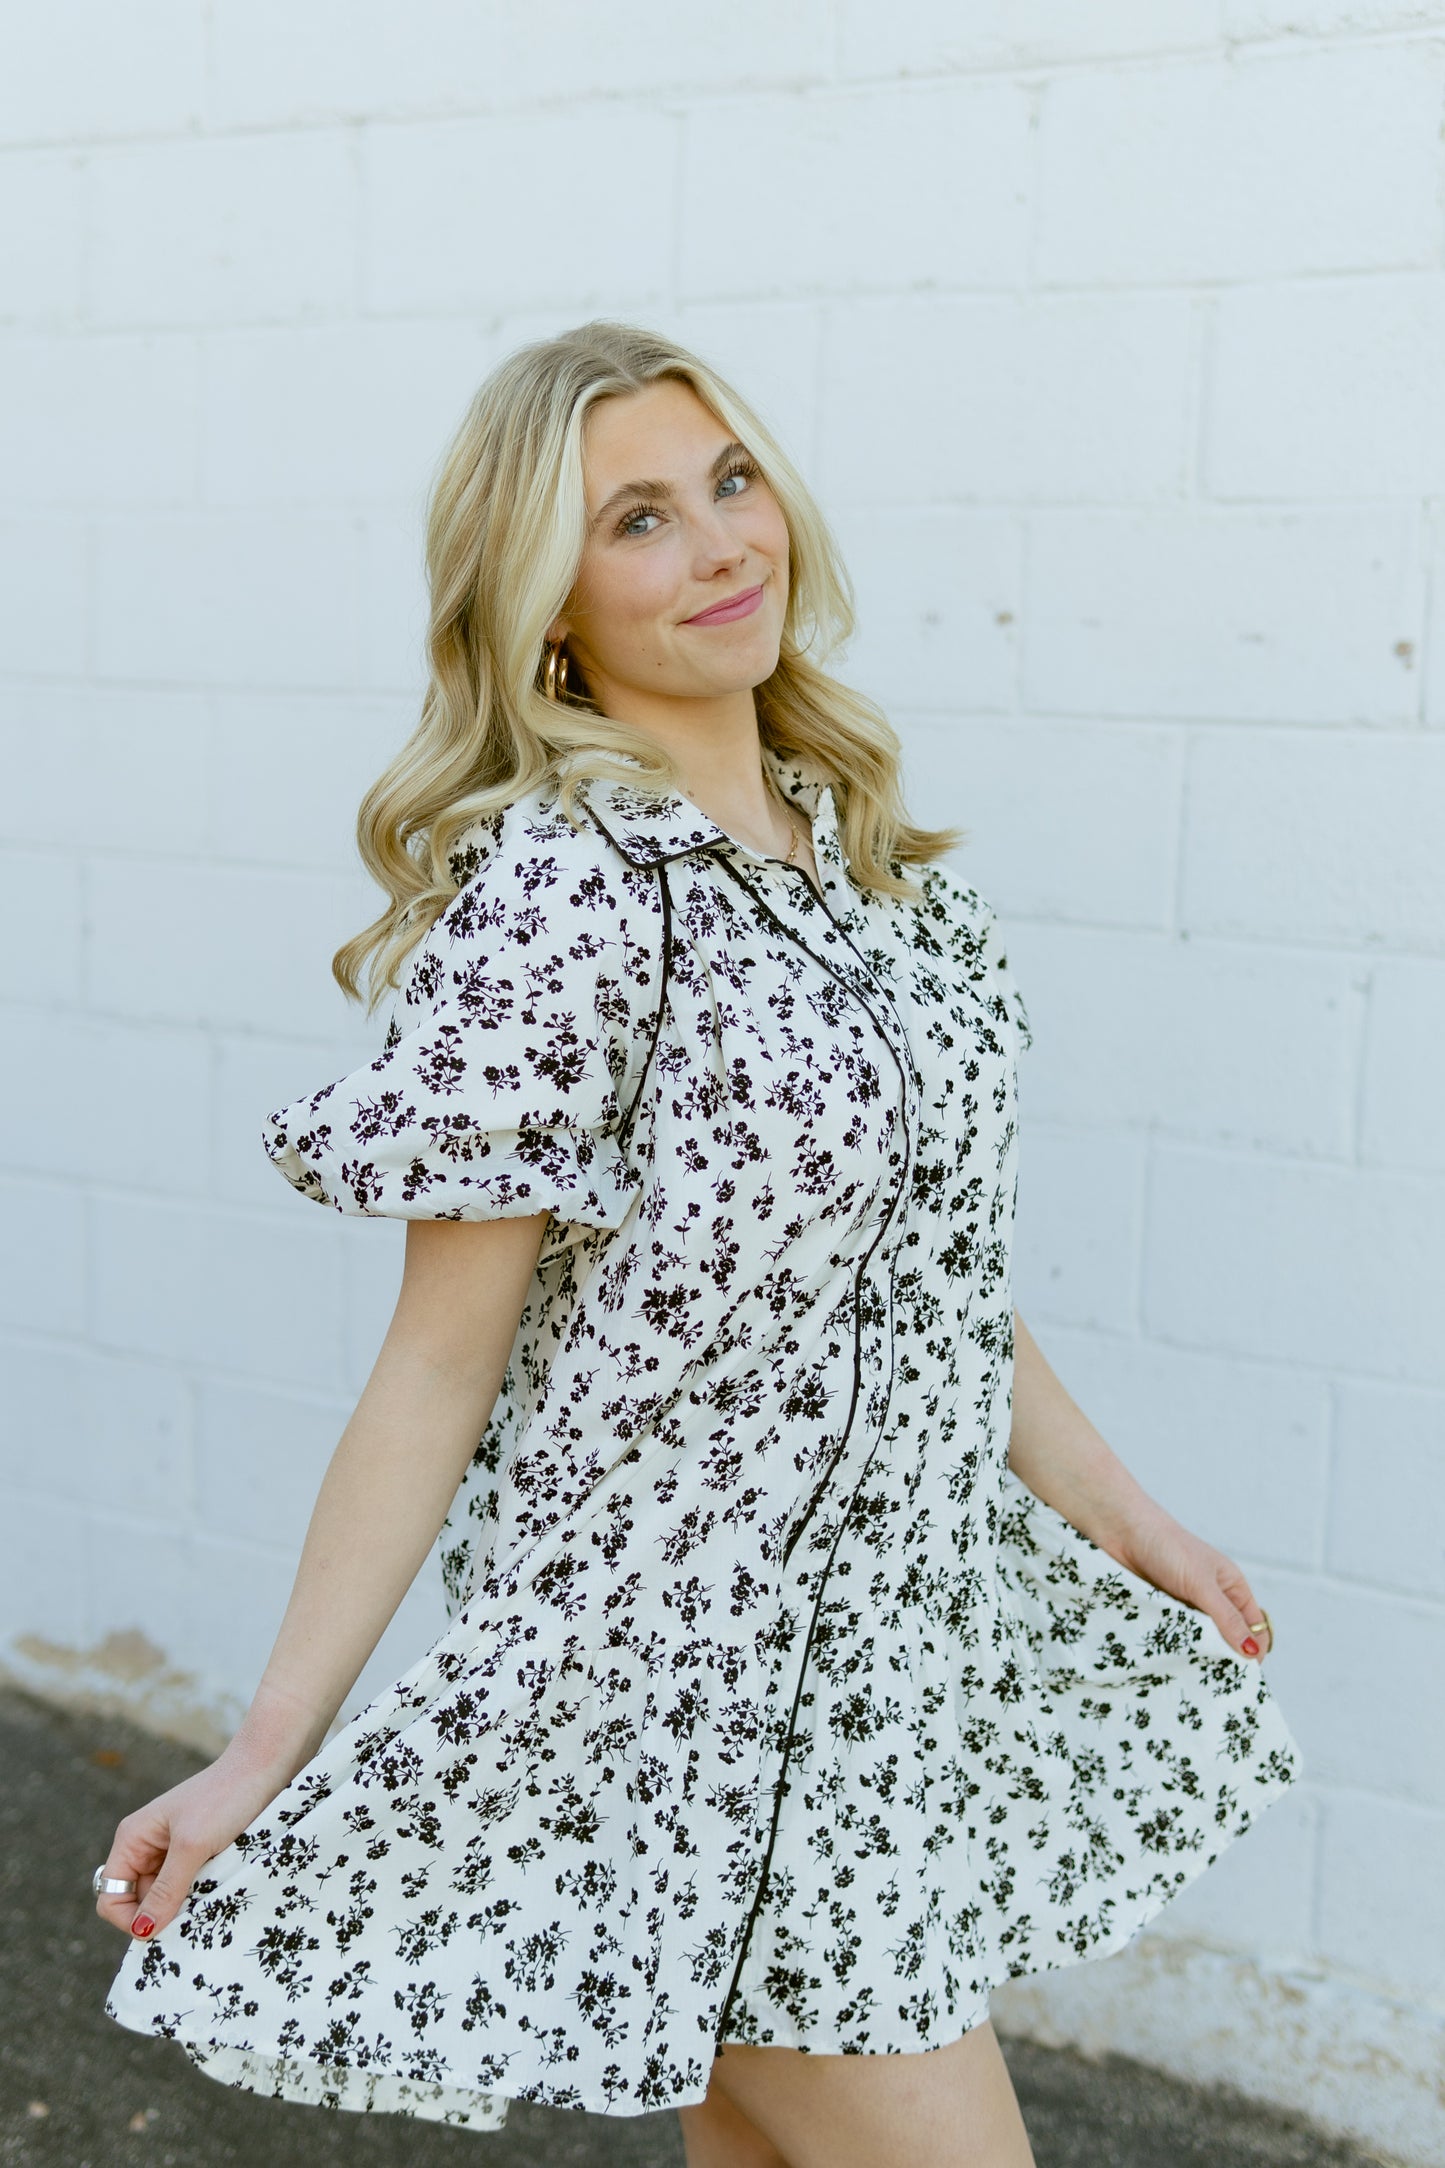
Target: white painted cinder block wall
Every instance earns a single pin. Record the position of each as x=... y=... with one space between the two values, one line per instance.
x=1114 y=341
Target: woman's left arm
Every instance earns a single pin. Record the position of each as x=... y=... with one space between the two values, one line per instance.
x=1057 y=1452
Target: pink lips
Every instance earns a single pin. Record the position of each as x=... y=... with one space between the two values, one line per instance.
x=723 y=613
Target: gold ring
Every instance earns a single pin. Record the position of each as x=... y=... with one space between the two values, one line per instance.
x=1265 y=1621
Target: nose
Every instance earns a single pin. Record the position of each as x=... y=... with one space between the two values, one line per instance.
x=715 y=542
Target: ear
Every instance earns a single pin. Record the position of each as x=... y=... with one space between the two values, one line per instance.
x=557 y=630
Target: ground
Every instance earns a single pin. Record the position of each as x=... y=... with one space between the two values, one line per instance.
x=76 y=2091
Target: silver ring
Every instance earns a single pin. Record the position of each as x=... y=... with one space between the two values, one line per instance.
x=109 y=1885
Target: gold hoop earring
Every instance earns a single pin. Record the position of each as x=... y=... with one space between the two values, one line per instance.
x=556 y=674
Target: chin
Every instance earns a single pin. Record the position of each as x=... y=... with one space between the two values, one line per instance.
x=758 y=657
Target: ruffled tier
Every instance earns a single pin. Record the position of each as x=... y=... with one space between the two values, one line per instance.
x=1009 y=1799
x=382 y=1939
x=1010 y=1793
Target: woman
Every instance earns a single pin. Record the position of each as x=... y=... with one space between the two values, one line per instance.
x=813 y=1664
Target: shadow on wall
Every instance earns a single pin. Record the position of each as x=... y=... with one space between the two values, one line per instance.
x=124 y=1676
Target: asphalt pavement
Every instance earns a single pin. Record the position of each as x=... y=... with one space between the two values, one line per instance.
x=77 y=2091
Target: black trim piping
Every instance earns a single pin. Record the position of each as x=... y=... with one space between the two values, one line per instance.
x=664 y=976
x=718 y=851
x=824 y=1571
x=664 y=973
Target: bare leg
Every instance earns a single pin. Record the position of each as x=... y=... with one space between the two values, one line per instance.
x=951 y=2107
x=716 y=2134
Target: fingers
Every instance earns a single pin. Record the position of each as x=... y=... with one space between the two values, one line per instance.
x=161 y=1863
x=1237 y=1610
x=160 y=1899
x=135 y=1854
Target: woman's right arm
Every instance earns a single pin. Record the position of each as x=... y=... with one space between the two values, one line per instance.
x=381 y=1506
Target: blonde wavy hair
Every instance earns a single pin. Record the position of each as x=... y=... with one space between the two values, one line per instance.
x=506 y=523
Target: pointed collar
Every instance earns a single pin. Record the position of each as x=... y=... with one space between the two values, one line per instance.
x=650 y=826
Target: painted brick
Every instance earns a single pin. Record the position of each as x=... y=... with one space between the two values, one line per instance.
x=48 y=1435
x=1077 y=1238
x=45 y=581
x=1388 y=1448
x=205 y=230
x=1215 y=169
x=1433 y=688
x=101 y=765
x=918 y=37
x=334 y=414
x=236 y=1292
x=1382 y=1896
x=373 y=1255
x=59 y=440
x=48 y=965
x=42 y=1591
x=1305 y=18
x=1237 y=1450
x=44 y=1258
x=1354 y=1669
x=337 y=59
x=260 y=1457
x=448 y=229
x=43 y=216
x=159 y=928
x=79 y=70
x=96 y=1100
x=1323 y=837
x=1067 y=820
x=1278 y=615
x=1259 y=1893
x=213 y=1608
x=772 y=353
x=329 y=748
x=394 y=603
x=1109 y=339
x=1305 y=1263
x=256 y=1072
x=228 y=598
x=1328 y=388
x=94 y=1423
x=939 y=593
x=1221 y=1042
x=1401 y=1123
x=216 y=1602
x=953 y=212
x=1029 y=398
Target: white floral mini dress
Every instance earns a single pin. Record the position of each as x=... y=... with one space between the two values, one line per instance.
x=773 y=1707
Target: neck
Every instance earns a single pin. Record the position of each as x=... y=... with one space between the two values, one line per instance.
x=717 y=746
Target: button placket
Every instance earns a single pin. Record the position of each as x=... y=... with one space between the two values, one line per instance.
x=838 y=956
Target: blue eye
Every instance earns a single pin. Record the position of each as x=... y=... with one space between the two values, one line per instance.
x=742 y=470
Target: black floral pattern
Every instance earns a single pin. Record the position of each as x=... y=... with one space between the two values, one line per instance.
x=772 y=1706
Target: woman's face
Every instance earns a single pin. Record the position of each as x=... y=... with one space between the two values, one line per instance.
x=680 y=521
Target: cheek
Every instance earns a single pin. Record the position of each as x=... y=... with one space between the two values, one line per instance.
x=622 y=597
x=770 y=532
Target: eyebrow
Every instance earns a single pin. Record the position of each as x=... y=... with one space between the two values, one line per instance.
x=663 y=489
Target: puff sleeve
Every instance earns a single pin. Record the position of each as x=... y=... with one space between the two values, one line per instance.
x=967 y=927
x=1004 y=987
x=506 y=1080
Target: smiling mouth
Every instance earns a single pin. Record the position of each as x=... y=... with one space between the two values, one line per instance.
x=723 y=613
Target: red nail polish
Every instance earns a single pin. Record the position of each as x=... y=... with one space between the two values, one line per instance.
x=1251 y=1646
x=142 y=1926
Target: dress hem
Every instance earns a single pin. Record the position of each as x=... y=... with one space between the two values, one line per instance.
x=1119 y=1938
